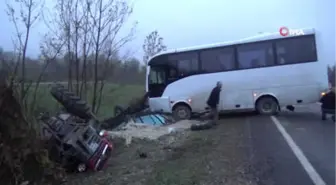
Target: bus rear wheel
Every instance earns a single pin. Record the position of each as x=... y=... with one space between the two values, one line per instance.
x=181 y=112
x=267 y=106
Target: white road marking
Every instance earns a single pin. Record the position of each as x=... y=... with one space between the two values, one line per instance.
x=314 y=176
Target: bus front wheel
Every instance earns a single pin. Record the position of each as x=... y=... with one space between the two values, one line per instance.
x=181 y=112
x=267 y=106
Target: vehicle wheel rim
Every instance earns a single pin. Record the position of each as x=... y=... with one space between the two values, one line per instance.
x=81 y=167
x=267 y=107
x=182 y=113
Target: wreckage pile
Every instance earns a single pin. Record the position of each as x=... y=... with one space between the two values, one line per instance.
x=23 y=159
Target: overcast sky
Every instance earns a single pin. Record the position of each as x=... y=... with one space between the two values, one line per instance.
x=185 y=23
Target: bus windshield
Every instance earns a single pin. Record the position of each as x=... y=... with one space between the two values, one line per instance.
x=157 y=76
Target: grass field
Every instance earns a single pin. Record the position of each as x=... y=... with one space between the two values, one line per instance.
x=113 y=94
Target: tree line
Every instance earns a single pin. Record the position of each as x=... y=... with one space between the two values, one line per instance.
x=331 y=75
x=118 y=70
x=81 y=45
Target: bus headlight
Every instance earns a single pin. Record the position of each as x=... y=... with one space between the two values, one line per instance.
x=323 y=93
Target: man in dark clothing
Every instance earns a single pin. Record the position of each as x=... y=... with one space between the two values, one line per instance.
x=213 y=101
x=328 y=104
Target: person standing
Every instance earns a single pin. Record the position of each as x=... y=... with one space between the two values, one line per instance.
x=328 y=104
x=213 y=101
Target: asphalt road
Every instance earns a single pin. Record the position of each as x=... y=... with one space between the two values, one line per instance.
x=292 y=148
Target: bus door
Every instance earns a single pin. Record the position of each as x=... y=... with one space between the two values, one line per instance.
x=157 y=82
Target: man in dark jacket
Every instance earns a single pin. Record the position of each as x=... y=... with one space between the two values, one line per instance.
x=213 y=101
x=328 y=104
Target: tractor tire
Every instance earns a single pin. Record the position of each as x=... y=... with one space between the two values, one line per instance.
x=72 y=103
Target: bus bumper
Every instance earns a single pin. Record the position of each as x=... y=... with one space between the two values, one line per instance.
x=160 y=104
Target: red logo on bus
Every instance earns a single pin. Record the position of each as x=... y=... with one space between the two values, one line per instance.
x=284 y=31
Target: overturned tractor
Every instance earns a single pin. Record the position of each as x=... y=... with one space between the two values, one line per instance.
x=73 y=135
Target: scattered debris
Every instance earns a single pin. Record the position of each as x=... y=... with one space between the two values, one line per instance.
x=202 y=126
x=151 y=132
x=206 y=119
x=142 y=155
x=122 y=115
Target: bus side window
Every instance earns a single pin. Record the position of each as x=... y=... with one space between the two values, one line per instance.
x=281 y=55
x=187 y=63
x=216 y=60
x=184 y=67
x=157 y=76
x=152 y=77
x=296 y=50
x=172 y=73
x=161 y=76
x=255 y=55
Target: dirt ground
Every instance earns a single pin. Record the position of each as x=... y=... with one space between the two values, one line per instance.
x=210 y=157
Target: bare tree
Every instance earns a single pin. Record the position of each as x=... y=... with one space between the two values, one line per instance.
x=86 y=43
x=51 y=47
x=67 y=17
x=76 y=22
x=92 y=32
x=62 y=20
x=153 y=44
x=108 y=17
x=25 y=17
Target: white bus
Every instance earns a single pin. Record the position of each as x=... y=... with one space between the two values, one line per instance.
x=261 y=73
